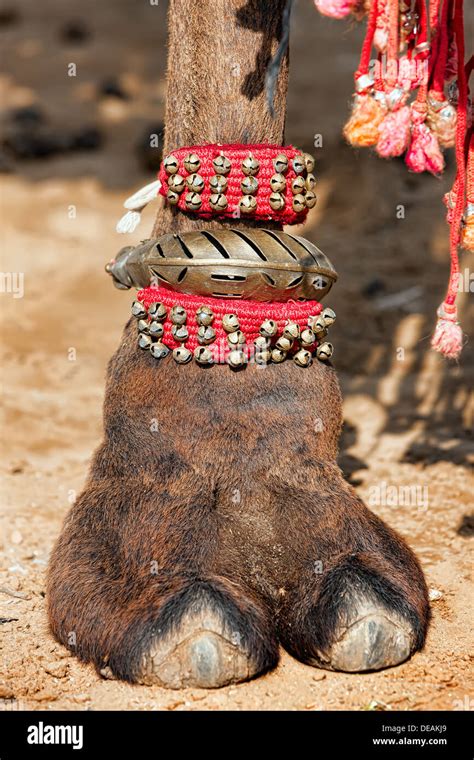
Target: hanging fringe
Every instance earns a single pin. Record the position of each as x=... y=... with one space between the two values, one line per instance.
x=448 y=336
x=408 y=102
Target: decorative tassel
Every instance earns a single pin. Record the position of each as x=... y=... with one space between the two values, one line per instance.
x=441 y=119
x=447 y=338
x=136 y=203
x=362 y=129
x=424 y=153
x=334 y=8
x=394 y=133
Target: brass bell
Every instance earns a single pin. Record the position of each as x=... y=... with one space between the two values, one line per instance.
x=268 y=328
x=249 y=185
x=248 y=204
x=291 y=331
x=324 y=351
x=182 y=355
x=193 y=201
x=218 y=183
x=263 y=357
x=298 y=185
x=218 y=202
x=144 y=341
x=222 y=165
x=143 y=325
x=172 y=197
x=230 y=323
x=192 y=162
x=308 y=162
x=250 y=166
x=277 y=183
x=298 y=164
x=204 y=315
x=278 y=355
x=298 y=203
x=261 y=343
x=310 y=181
x=236 y=338
x=205 y=335
x=178 y=315
x=155 y=329
x=303 y=358
x=277 y=201
x=157 y=311
x=307 y=338
x=170 y=164
x=236 y=359
x=180 y=333
x=176 y=182
x=329 y=316
x=317 y=325
x=138 y=310
x=310 y=199
x=203 y=355
x=158 y=350
x=284 y=344
x=280 y=163
x=195 y=183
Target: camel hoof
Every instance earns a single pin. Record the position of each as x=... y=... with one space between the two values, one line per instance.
x=371 y=638
x=200 y=653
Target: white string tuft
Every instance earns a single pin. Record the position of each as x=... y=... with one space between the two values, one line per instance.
x=129 y=222
x=136 y=203
x=142 y=197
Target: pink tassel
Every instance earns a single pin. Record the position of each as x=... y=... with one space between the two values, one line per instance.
x=447 y=338
x=394 y=133
x=334 y=8
x=424 y=153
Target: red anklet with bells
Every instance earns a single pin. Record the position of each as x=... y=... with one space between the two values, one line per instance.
x=234 y=296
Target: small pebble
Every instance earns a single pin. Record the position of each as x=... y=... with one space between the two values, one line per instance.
x=435 y=594
x=58 y=668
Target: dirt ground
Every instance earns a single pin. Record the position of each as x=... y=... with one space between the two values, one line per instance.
x=408 y=413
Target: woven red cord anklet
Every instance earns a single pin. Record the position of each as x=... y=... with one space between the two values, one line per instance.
x=218 y=330
x=259 y=181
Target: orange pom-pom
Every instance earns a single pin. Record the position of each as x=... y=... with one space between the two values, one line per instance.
x=362 y=129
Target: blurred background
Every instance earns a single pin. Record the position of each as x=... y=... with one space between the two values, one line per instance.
x=73 y=147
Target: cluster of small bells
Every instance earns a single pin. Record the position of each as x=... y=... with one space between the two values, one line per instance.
x=268 y=347
x=302 y=187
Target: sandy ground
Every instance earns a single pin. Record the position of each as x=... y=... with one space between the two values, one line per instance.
x=408 y=413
